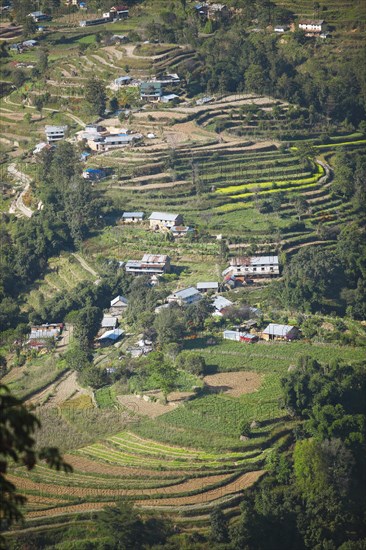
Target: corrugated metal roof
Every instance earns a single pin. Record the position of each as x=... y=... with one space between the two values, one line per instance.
x=112 y=334
x=132 y=215
x=209 y=285
x=220 y=303
x=119 y=299
x=108 y=321
x=278 y=330
x=163 y=216
x=185 y=292
x=154 y=258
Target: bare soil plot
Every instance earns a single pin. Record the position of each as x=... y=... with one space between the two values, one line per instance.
x=140 y=406
x=83 y=464
x=234 y=383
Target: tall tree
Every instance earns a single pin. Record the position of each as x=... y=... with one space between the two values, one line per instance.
x=95 y=95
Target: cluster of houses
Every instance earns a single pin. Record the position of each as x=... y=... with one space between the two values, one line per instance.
x=115 y=13
x=41 y=335
x=99 y=139
x=150 y=90
x=110 y=332
x=160 y=221
x=212 y=11
x=272 y=332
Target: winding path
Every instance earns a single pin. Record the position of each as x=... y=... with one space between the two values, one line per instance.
x=18 y=204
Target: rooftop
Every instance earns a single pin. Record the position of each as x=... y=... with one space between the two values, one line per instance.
x=132 y=215
x=112 y=334
x=185 y=292
x=165 y=216
x=220 y=303
x=154 y=258
x=278 y=330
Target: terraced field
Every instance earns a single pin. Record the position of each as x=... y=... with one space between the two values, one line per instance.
x=145 y=471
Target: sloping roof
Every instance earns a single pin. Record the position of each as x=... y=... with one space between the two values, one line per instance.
x=163 y=216
x=278 y=330
x=220 y=303
x=311 y=22
x=154 y=258
x=108 y=321
x=119 y=299
x=123 y=79
x=186 y=293
x=112 y=334
x=254 y=260
x=133 y=215
x=209 y=285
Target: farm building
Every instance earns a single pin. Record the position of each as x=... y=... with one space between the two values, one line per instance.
x=45 y=331
x=132 y=217
x=185 y=297
x=170 y=78
x=280 y=332
x=119 y=302
x=238 y=336
x=151 y=264
x=121 y=81
x=94 y=174
x=160 y=220
x=38 y=16
x=151 y=91
x=169 y=97
x=221 y=304
x=118 y=12
x=311 y=26
x=109 y=322
x=253 y=266
x=55 y=133
x=205 y=287
x=110 y=336
x=181 y=230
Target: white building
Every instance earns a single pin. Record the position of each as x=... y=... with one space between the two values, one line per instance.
x=55 y=133
x=132 y=217
x=185 y=297
x=311 y=25
x=253 y=266
x=160 y=220
x=151 y=264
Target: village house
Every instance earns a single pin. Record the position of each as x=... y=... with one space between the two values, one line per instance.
x=109 y=322
x=55 y=133
x=185 y=297
x=239 y=336
x=119 y=12
x=94 y=174
x=170 y=78
x=119 y=302
x=161 y=220
x=206 y=287
x=169 y=98
x=180 y=231
x=41 y=334
x=98 y=142
x=110 y=336
x=221 y=304
x=121 y=81
x=311 y=26
x=132 y=217
x=38 y=16
x=151 y=91
x=253 y=266
x=280 y=332
x=151 y=264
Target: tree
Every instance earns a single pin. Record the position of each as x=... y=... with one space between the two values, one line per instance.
x=29 y=27
x=17 y=444
x=95 y=95
x=219 y=526
x=162 y=373
x=42 y=61
x=38 y=103
x=87 y=325
x=169 y=326
x=191 y=362
x=122 y=525
x=18 y=78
